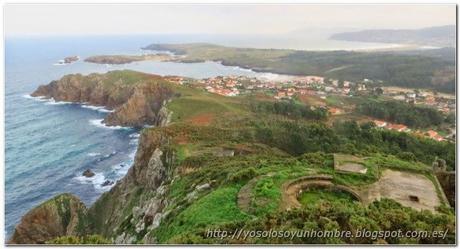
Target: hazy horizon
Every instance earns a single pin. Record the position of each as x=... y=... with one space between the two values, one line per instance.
x=217 y=19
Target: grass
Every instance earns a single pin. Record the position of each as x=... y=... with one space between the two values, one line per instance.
x=193 y=102
x=333 y=100
x=217 y=207
x=314 y=195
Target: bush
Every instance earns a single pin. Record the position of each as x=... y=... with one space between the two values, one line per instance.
x=245 y=174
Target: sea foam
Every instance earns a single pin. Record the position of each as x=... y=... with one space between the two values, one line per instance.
x=96 y=108
x=97 y=180
x=100 y=124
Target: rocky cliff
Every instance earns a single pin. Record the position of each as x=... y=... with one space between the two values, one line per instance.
x=135 y=98
x=64 y=215
x=134 y=205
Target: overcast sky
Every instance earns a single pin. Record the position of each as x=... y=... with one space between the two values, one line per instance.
x=217 y=19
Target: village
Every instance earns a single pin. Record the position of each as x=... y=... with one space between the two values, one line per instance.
x=290 y=87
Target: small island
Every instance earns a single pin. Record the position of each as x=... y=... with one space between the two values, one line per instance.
x=125 y=59
x=68 y=60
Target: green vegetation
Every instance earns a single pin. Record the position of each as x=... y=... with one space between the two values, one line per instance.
x=399 y=69
x=83 y=240
x=314 y=195
x=342 y=215
x=290 y=109
x=215 y=208
x=402 y=113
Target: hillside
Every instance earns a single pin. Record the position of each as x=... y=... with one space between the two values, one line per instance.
x=416 y=70
x=222 y=163
x=442 y=36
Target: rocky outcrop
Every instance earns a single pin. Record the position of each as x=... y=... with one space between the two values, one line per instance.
x=64 y=215
x=135 y=98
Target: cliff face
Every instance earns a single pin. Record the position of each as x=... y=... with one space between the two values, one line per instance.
x=64 y=215
x=135 y=98
x=134 y=205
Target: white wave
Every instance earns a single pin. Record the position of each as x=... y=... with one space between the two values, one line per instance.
x=97 y=180
x=135 y=135
x=96 y=108
x=93 y=154
x=100 y=124
x=51 y=101
x=134 y=141
x=245 y=69
x=38 y=98
x=132 y=155
x=59 y=64
x=121 y=169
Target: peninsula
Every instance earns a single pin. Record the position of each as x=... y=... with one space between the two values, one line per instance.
x=124 y=59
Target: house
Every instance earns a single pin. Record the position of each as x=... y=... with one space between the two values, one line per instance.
x=361 y=87
x=328 y=89
x=314 y=79
x=434 y=135
x=430 y=100
x=280 y=95
x=380 y=123
x=335 y=111
x=346 y=90
x=398 y=127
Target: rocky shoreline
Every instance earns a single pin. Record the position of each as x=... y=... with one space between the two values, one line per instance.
x=134 y=104
x=138 y=102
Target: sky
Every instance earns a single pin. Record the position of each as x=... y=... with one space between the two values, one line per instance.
x=81 y=19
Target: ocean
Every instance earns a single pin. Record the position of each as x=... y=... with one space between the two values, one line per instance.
x=49 y=144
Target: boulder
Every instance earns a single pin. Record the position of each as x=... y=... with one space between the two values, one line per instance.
x=88 y=173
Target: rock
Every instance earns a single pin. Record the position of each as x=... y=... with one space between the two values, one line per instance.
x=64 y=215
x=71 y=59
x=137 y=212
x=88 y=173
x=203 y=187
x=107 y=183
x=192 y=196
x=135 y=104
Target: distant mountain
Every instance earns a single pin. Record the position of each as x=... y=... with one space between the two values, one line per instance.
x=442 y=36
